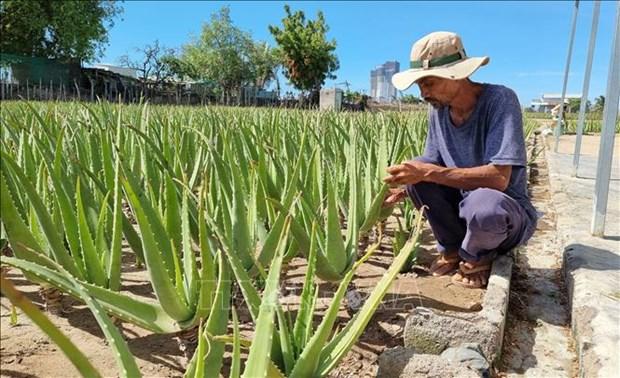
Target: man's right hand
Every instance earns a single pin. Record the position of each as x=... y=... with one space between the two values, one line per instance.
x=394 y=196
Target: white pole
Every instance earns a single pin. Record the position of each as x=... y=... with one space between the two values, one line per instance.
x=606 y=149
x=586 y=85
x=558 y=128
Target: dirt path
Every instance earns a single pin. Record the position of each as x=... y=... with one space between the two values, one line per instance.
x=537 y=342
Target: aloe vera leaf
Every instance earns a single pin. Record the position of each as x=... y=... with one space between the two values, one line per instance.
x=250 y=294
x=101 y=243
x=113 y=269
x=339 y=346
x=107 y=161
x=190 y=271
x=160 y=158
x=195 y=367
x=307 y=363
x=353 y=221
x=235 y=365
x=59 y=275
x=51 y=233
x=218 y=320
x=178 y=279
x=335 y=251
x=92 y=263
x=70 y=222
x=260 y=351
x=286 y=345
x=73 y=353
x=307 y=293
x=37 y=232
x=266 y=253
x=269 y=246
x=240 y=237
x=299 y=232
x=161 y=276
x=19 y=236
x=125 y=360
x=208 y=277
x=375 y=208
x=146 y=315
x=172 y=215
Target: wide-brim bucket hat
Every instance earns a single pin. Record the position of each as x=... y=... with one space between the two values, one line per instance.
x=439 y=54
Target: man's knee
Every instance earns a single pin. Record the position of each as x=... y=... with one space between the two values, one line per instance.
x=420 y=193
x=422 y=189
x=483 y=210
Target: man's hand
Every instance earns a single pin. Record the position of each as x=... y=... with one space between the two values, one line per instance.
x=394 y=196
x=408 y=172
x=412 y=172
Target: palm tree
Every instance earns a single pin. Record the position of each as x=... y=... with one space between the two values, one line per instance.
x=599 y=104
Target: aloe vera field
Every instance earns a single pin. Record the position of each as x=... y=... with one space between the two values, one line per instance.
x=215 y=208
x=248 y=241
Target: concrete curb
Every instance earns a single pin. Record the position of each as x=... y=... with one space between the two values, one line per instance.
x=591 y=268
x=429 y=332
x=406 y=363
x=591 y=314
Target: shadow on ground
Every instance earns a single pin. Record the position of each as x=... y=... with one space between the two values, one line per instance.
x=588 y=257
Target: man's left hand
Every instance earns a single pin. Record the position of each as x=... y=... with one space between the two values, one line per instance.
x=408 y=172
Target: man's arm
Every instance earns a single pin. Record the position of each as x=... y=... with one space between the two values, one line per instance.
x=486 y=176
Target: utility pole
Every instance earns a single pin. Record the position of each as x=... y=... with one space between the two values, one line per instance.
x=606 y=149
x=586 y=85
x=558 y=128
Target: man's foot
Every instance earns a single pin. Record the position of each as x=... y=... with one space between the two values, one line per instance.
x=444 y=264
x=472 y=275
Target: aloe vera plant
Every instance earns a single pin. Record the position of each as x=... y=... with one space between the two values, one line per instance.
x=184 y=294
x=77 y=358
x=126 y=362
x=299 y=343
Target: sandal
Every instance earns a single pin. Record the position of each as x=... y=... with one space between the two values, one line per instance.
x=467 y=268
x=475 y=280
x=442 y=265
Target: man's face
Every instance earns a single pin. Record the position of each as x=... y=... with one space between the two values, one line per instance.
x=437 y=91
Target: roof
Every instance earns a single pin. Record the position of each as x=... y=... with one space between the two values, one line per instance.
x=549 y=96
x=125 y=71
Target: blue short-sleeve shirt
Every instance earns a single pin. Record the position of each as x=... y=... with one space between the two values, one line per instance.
x=493 y=134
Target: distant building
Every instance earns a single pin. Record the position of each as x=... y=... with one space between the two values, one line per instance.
x=381 y=88
x=548 y=101
x=330 y=99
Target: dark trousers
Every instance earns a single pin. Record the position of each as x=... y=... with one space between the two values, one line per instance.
x=478 y=224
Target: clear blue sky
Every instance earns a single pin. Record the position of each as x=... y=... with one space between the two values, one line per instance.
x=527 y=41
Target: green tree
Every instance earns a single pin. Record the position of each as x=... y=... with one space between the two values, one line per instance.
x=307 y=56
x=599 y=104
x=226 y=55
x=353 y=96
x=264 y=64
x=66 y=30
x=575 y=103
x=410 y=99
x=179 y=68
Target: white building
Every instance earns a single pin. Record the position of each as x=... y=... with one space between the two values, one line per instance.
x=548 y=101
x=330 y=99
